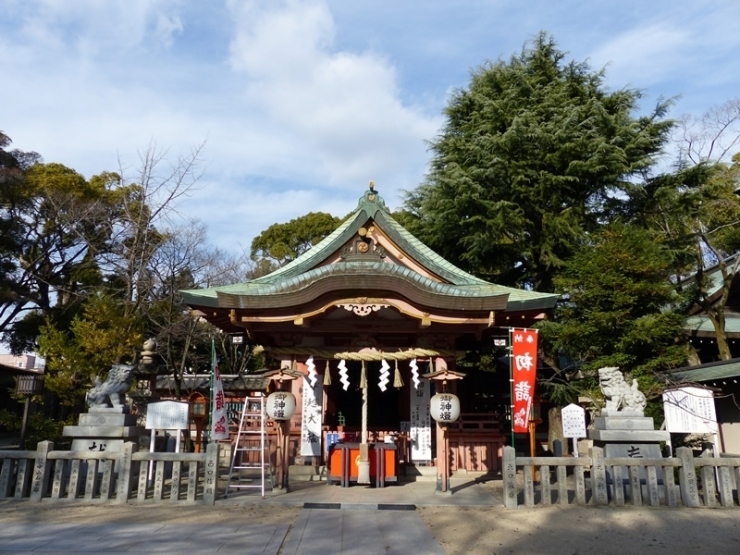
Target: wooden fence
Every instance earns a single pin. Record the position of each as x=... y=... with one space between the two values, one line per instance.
x=702 y=481
x=119 y=477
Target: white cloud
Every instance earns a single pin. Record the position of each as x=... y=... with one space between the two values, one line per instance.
x=303 y=101
x=691 y=51
x=237 y=215
x=94 y=24
x=645 y=54
x=344 y=106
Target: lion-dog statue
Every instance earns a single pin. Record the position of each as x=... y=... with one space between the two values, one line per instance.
x=108 y=393
x=620 y=397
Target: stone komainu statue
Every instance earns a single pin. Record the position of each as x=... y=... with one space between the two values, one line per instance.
x=620 y=397
x=108 y=393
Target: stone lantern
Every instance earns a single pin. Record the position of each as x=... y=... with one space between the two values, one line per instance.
x=28 y=386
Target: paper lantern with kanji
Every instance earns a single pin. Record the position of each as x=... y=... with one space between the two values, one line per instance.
x=445 y=407
x=280 y=405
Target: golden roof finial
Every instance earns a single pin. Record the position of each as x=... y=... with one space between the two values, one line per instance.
x=371 y=185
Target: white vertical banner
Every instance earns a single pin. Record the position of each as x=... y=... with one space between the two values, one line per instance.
x=311 y=418
x=219 y=423
x=421 y=422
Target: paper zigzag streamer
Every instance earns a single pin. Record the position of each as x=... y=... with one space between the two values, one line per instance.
x=343 y=374
x=415 y=373
x=384 y=375
x=312 y=375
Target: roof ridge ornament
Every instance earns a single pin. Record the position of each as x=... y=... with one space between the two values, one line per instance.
x=371 y=202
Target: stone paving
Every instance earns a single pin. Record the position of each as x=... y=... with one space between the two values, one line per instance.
x=333 y=520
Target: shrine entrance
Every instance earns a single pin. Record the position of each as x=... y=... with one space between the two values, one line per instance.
x=383 y=413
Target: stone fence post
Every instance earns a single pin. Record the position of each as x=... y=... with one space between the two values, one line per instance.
x=40 y=482
x=509 y=472
x=598 y=477
x=211 y=474
x=125 y=472
x=687 y=478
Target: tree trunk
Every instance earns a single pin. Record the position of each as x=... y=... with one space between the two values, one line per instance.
x=555 y=431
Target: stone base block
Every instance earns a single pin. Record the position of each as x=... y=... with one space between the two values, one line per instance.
x=629 y=436
x=98 y=444
x=632 y=450
x=103 y=431
x=623 y=423
x=107 y=419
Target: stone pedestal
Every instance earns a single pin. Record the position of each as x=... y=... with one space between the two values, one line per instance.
x=104 y=429
x=627 y=435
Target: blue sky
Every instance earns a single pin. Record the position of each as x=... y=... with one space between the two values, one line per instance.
x=300 y=103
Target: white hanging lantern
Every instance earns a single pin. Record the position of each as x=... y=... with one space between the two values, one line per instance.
x=445 y=407
x=280 y=405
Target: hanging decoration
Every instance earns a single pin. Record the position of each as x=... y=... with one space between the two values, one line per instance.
x=327 y=374
x=363 y=375
x=343 y=374
x=397 y=379
x=414 y=373
x=384 y=375
x=408 y=354
x=312 y=375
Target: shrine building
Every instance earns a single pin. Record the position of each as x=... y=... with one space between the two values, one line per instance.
x=364 y=315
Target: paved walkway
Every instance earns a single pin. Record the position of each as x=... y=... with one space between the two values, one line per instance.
x=465 y=492
x=334 y=520
x=141 y=538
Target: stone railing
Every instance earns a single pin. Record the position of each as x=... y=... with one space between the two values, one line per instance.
x=563 y=480
x=117 y=477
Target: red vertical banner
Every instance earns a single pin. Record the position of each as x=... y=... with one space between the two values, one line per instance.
x=523 y=374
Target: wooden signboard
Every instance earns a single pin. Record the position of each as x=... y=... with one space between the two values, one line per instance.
x=574 y=424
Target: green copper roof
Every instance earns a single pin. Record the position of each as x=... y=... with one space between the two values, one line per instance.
x=306 y=270
x=301 y=281
x=375 y=276
x=708 y=372
x=372 y=206
x=702 y=324
x=715 y=281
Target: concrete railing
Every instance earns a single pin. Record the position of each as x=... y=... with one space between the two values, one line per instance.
x=620 y=480
x=118 y=477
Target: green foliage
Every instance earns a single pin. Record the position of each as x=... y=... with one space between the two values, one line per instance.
x=99 y=337
x=53 y=238
x=719 y=209
x=618 y=309
x=528 y=155
x=39 y=428
x=697 y=213
x=281 y=243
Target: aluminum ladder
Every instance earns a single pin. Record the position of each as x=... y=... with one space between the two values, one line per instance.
x=250 y=459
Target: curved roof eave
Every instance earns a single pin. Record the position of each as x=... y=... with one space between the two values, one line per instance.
x=374 y=276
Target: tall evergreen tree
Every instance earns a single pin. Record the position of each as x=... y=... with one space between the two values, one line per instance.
x=526 y=161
